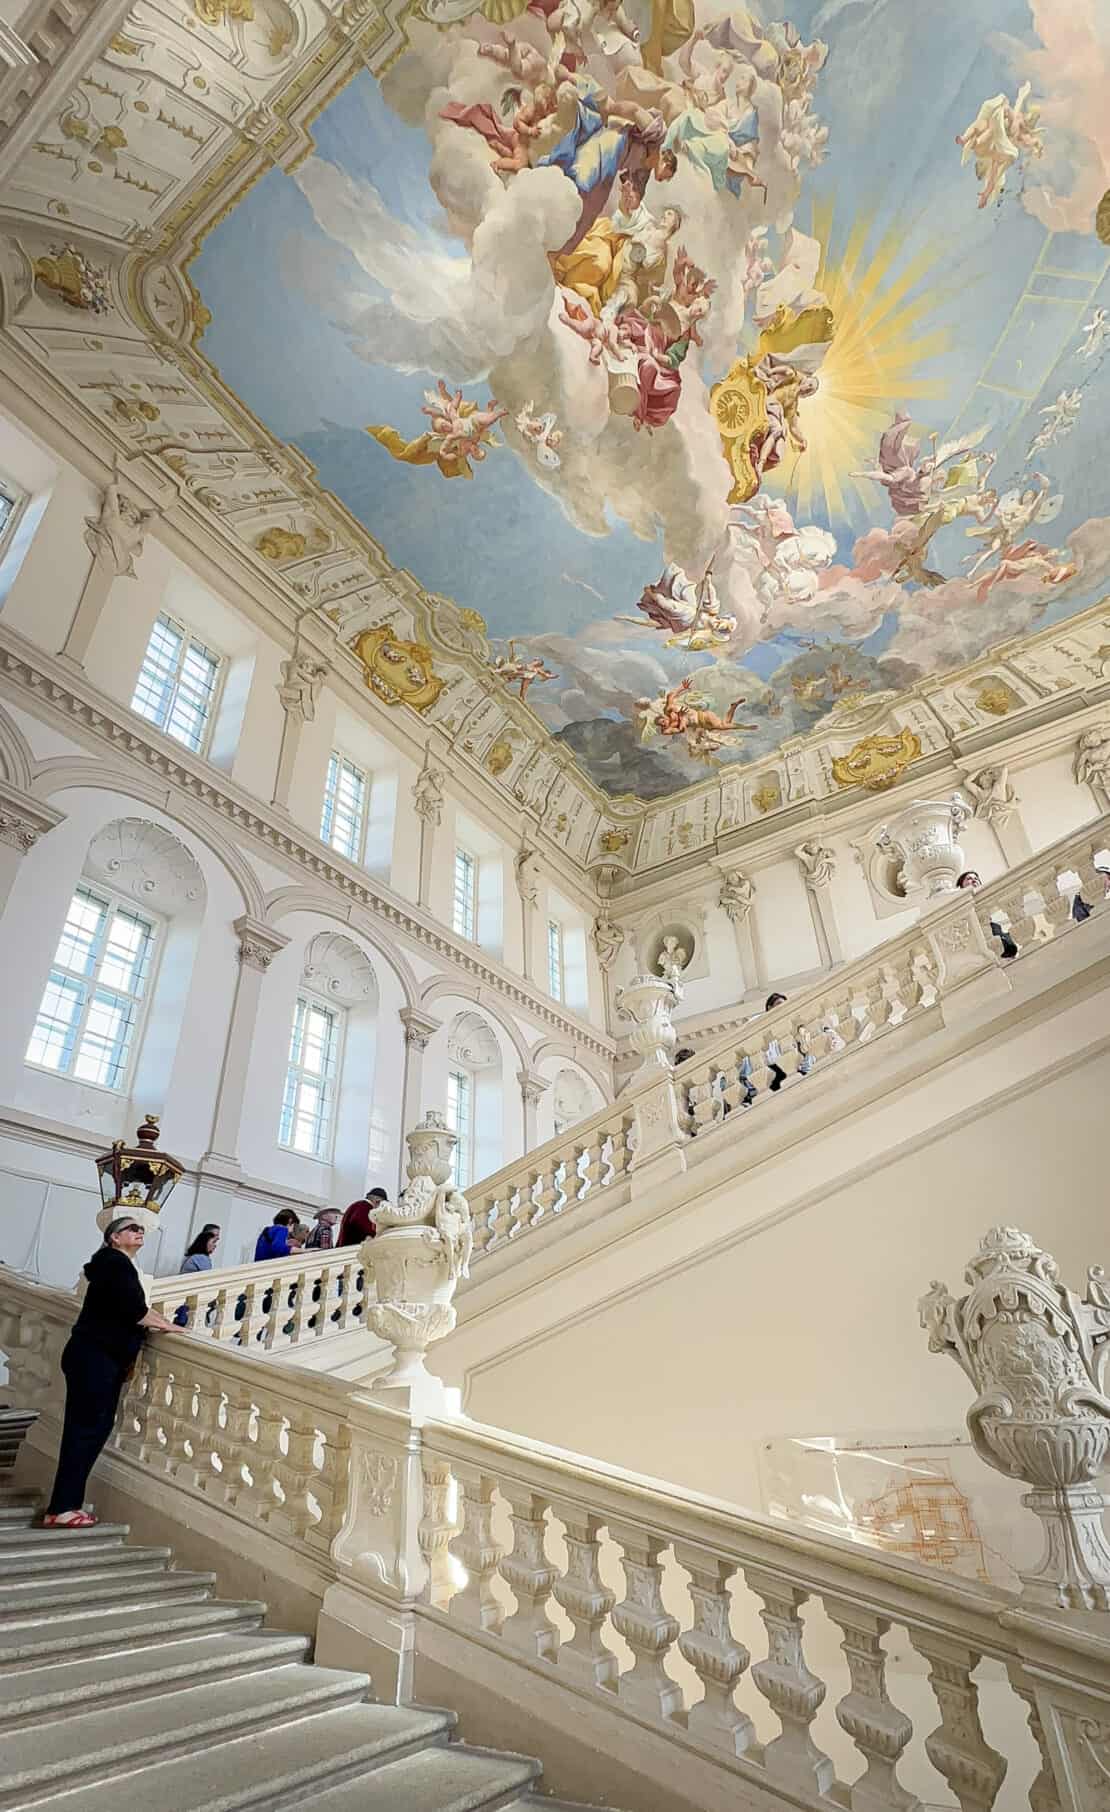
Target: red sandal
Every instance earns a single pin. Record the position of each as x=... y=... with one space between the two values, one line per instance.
x=69 y=1519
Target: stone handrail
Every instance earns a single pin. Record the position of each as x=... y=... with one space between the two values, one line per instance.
x=517 y=1550
x=743 y=1067
x=271 y=1303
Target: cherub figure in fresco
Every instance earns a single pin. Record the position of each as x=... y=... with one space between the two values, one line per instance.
x=1060 y=418
x=999 y=136
x=1015 y=514
x=529 y=65
x=511 y=141
x=604 y=21
x=1096 y=332
x=606 y=339
x=689 y=300
x=758 y=266
x=1029 y=559
x=516 y=669
x=460 y=432
x=541 y=434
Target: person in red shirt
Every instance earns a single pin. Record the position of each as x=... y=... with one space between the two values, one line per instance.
x=358 y=1220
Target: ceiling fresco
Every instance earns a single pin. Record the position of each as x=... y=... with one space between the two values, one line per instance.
x=735 y=369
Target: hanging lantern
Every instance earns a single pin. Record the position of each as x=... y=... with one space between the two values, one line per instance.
x=136 y=1178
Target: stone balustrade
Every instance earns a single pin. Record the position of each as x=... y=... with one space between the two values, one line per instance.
x=311 y=1297
x=265 y=1306
x=745 y=1068
x=665 y=1617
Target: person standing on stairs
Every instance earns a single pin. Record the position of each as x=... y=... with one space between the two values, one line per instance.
x=101 y=1349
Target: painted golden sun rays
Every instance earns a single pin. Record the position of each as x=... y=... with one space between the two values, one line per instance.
x=872 y=368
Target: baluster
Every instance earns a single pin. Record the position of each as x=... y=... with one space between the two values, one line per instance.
x=575 y=1183
x=876 y=1726
x=715 y=1655
x=794 y=1694
x=924 y=977
x=957 y=1748
x=294 y=1325
x=240 y=1414
x=298 y=1473
x=524 y=1207
x=860 y=1006
x=1044 y=1795
x=590 y=1171
x=253 y=1297
x=436 y=1530
x=547 y=1193
x=502 y=1217
x=476 y=1602
x=530 y=1575
x=891 y=994
x=646 y=1625
x=483 y=1216
x=620 y=1151
x=267 y=1458
x=585 y=1599
x=224 y=1325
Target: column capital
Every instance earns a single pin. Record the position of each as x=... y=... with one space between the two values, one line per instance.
x=259 y=943
x=533 y=1086
x=420 y=1028
x=23 y=818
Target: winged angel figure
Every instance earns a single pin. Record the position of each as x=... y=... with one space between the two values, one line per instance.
x=929 y=491
x=999 y=136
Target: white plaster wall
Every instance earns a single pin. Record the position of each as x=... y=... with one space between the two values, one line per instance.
x=810 y=1326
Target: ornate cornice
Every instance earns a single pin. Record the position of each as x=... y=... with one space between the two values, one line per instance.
x=26 y=672
x=259 y=943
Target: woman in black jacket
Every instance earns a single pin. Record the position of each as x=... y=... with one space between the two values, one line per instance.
x=99 y=1354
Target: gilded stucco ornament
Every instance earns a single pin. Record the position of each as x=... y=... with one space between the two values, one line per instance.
x=877 y=762
x=1030 y=1347
x=399 y=673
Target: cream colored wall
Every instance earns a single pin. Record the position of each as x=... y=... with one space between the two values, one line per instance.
x=810 y=1326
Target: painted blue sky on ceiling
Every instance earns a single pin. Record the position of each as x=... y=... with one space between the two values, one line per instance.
x=678 y=277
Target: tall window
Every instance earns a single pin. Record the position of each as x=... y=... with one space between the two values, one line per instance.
x=308 y=1105
x=460 y=1118
x=11 y=505
x=92 y=1005
x=466 y=887
x=555 y=972
x=343 y=823
x=177 y=684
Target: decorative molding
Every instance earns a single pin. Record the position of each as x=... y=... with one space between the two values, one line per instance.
x=533 y=1088
x=471 y=1042
x=338 y=967
x=148 y=862
x=73 y=701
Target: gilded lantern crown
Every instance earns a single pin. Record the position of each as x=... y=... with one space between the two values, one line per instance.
x=139 y=1175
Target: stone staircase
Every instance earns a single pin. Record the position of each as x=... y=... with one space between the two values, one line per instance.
x=125 y=1684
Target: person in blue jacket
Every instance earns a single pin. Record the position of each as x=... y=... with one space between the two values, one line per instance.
x=273 y=1241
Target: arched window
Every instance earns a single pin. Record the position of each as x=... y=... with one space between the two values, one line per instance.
x=475 y=1108
x=326 y=1101
x=115 y=954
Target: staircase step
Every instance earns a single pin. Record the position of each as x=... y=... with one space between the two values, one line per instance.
x=96 y=1745
x=83 y=1596
x=18 y=1535
x=455 y=1779
x=139 y=1626
x=17 y=1515
x=68 y=1688
x=29 y=1562
x=292 y=1767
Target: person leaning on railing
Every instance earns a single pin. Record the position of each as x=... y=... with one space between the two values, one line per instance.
x=110 y=1329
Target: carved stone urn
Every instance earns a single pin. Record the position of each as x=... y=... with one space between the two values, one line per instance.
x=647 y=1001
x=1029 y=1347
x=422 y=1248
x=925 y=841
